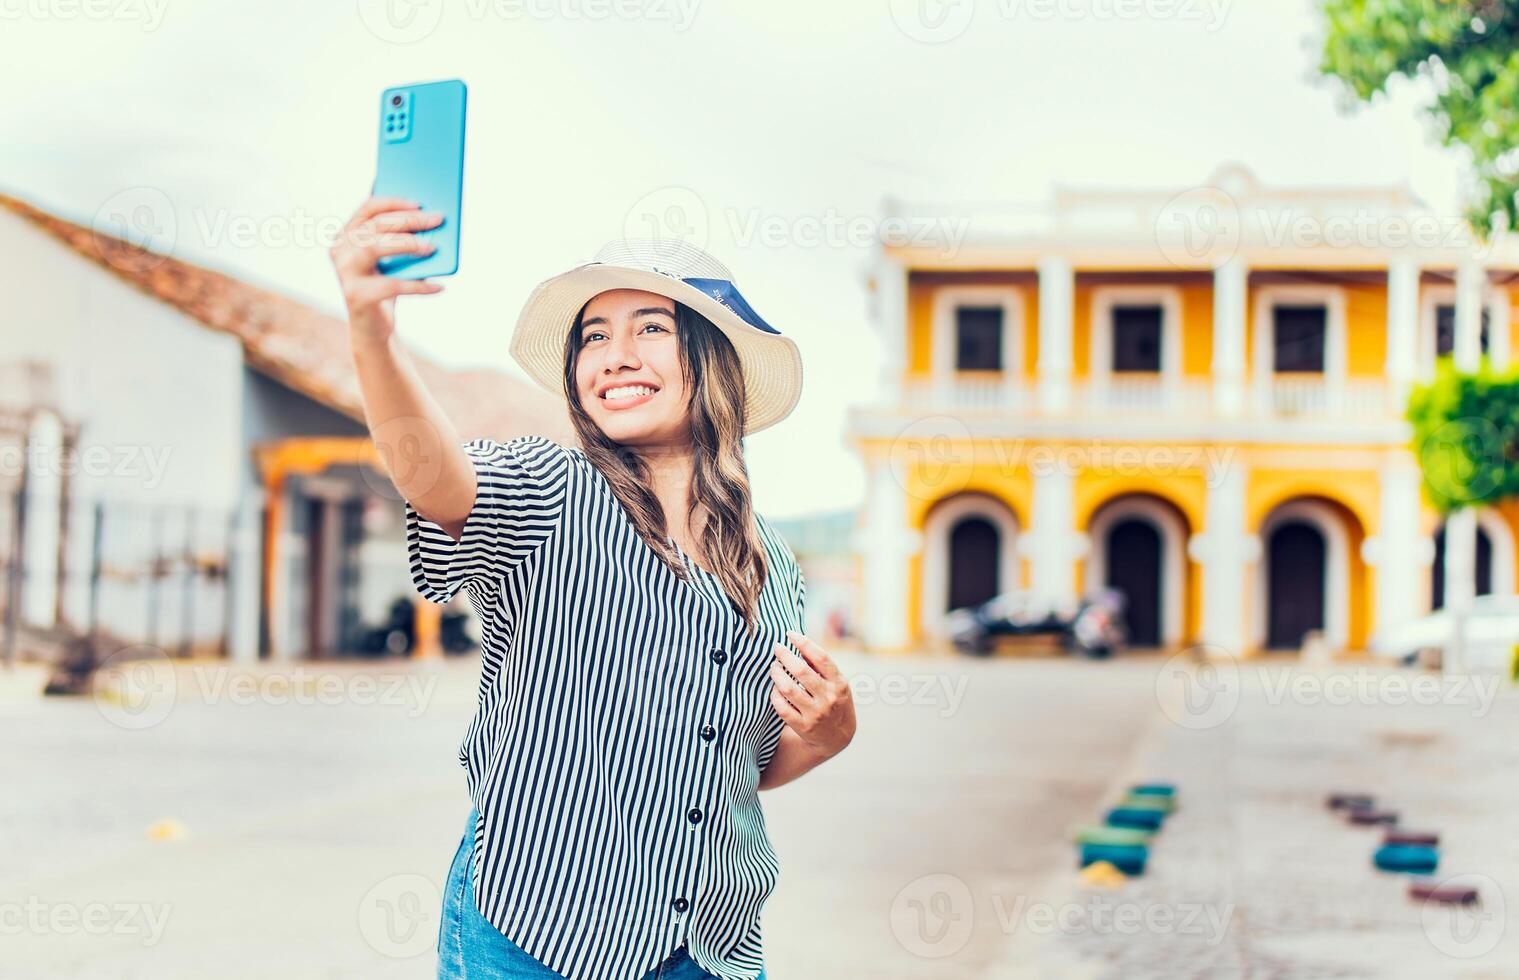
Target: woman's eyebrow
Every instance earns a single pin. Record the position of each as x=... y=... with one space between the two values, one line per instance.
x=600 y=321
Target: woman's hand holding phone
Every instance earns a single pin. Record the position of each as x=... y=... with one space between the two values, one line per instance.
x=417 y=443
x=382 y=226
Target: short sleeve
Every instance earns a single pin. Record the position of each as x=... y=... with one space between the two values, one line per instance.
x=519 y=502
x=771 y=739
x=801 y=600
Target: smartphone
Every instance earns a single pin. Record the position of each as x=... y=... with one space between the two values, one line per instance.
x=421 y=157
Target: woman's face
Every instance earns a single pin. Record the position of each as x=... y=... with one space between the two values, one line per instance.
x=627 y=371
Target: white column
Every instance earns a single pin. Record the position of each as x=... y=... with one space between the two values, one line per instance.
x=1471 y=287
x=1225 y=551
x=1461 y=525
x=889 y=312
x=44 y=521
x=1057 y=289
x=886 y=544
x=1229 y=292
x=1053 y=543
x=1395 y=550
x=244 y=579
x=1498 y=350
x=1402 y=328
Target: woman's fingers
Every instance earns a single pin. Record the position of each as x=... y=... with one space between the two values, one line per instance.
x=804 y=674
x=375 y=289
x=376 y=205
x=362 y=255
x=816 y=656
x=404 y=221
x=785 y=709
x=794 y=690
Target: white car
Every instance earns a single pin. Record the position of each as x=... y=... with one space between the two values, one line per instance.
x=1492 y=634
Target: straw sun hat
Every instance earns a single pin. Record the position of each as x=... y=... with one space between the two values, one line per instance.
x=772 y=365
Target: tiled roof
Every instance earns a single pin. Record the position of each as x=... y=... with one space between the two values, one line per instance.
x=303 y=348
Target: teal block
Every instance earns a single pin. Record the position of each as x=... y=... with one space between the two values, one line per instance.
x=1405 y=857
x=1142 y=819
x=1128 y=858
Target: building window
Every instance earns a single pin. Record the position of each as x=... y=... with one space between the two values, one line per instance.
x=1445 y=329
x=1298 y=333
x=978 y=338
x=1136 y=338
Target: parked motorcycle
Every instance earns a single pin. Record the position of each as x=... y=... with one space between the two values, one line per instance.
x=398 y=635
x=1092 y=626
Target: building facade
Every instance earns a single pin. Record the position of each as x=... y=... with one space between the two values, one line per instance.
x=1194 y=396
x=184 y=461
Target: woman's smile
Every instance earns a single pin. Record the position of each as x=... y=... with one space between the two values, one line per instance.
x=628 y=396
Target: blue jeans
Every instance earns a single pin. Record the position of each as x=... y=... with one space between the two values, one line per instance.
x=469 y=945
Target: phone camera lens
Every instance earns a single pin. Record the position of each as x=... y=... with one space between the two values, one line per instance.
x=395 y=100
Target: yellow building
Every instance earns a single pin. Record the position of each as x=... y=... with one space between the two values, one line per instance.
x=1194 y=396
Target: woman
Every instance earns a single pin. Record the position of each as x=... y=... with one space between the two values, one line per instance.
x=636 y=688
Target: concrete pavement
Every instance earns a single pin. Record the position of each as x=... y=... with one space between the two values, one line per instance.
x=321 y=803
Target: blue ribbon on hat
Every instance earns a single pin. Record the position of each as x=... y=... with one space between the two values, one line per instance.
x=727 y=294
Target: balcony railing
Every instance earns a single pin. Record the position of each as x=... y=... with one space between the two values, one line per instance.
x=1284 y=398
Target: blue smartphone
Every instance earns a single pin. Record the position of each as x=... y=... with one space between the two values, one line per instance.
x=421 y=157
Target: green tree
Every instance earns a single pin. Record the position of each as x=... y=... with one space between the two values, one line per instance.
x=1466 y=435
x=1469 y=51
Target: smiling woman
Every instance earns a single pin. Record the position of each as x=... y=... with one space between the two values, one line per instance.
x=652 y=741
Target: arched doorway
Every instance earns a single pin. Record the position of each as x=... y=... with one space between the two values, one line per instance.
x=974 y=546
x=1139 y=546
x=1133 y=548
x=1297 y=578
x=969 y=555
x=1484 y=569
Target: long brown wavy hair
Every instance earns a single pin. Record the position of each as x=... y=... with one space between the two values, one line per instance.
x=719 y=477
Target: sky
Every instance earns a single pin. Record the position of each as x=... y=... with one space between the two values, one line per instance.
x=769 y=133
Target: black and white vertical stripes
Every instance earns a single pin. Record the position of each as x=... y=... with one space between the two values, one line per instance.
x=622 y=725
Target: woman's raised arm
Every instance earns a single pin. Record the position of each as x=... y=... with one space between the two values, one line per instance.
x=418 y=444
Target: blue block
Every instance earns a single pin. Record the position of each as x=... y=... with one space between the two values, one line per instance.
x=1406 y=857
x=1128 y=858
x=1143 y=819
x=1153 y=789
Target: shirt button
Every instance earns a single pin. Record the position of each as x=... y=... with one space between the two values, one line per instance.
x=694 y=815
x=708 y=733
x=680 y=904
x=719 y=656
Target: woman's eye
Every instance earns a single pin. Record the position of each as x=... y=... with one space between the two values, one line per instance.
x=656 y=326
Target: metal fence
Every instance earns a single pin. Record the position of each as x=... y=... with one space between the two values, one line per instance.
x=121 y=572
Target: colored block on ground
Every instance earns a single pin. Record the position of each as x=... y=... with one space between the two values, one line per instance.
x=1397 y=857
x=1129 y=859
x=1101 y=834
x=1430 y=890
x=1341 y=801
x=1372 y=818
x=1418 y=838
x=1130 y=817
x=1162 y=803
x=1153 y=789
x=1104 y=874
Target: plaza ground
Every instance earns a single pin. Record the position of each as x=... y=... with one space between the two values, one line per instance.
x=309 y=816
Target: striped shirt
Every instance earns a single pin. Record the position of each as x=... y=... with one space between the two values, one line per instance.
x=623 y=723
